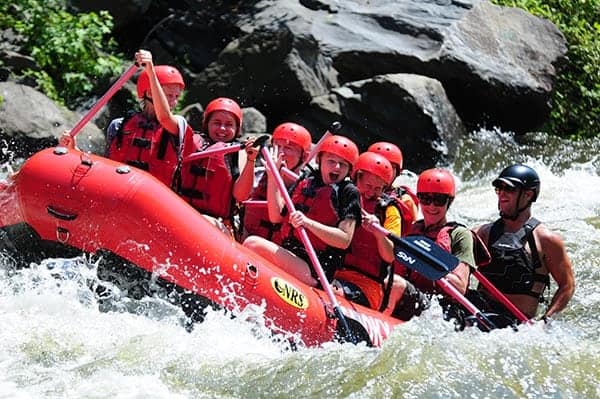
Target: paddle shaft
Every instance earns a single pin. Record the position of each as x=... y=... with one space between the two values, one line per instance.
x=103 y=100
x=259 y=141
x=335 y=126
x=289 y=173
x=308 y=246
x=496 y=293
x=449 y=289
x=213 y=151
x=255 y=203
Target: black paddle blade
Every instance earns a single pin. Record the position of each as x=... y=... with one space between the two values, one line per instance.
x=423 y=255
x=335 y=126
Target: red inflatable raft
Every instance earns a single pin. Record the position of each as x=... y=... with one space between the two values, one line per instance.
x=65 y=200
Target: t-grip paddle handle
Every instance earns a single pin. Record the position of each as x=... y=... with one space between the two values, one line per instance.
x=308 y=246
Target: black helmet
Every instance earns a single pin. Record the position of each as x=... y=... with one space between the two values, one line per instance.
x=520 y=175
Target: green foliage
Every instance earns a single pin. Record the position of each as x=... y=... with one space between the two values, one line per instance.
x=73 y=51
x=576 y=110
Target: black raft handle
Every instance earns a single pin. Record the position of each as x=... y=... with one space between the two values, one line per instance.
x=60 y=215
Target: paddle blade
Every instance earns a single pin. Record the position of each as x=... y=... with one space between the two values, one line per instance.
x=423 y=255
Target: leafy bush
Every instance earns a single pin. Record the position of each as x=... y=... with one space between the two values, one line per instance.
x=73 y=51
x=576 y=110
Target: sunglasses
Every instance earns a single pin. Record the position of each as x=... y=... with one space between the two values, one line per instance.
x=505 y=188
x=435 y=199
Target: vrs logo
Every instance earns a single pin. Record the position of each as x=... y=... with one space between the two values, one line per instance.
x=289 y=293
x=405 y=257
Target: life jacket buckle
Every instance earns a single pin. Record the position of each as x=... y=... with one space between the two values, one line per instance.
x=139 y=164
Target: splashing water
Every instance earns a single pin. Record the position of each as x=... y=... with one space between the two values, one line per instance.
x=59 y=340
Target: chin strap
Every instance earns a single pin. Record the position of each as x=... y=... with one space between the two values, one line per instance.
x=518 y=212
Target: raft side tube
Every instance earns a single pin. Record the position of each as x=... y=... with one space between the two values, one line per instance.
x=92 y=203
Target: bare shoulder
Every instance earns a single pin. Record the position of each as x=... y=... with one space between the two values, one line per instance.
x=552 y=249
x=547 y=237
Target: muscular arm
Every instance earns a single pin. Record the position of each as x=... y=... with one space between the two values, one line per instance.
x=556 y=260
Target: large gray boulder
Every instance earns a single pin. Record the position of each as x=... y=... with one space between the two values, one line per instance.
x=495 y=63
x=276 y=69
x=30 y=121
x=409 y=110
x=316 y=61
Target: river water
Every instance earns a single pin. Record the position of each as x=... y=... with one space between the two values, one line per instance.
x=56 y=341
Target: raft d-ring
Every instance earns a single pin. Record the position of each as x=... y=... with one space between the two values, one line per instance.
x=251 y=271
x=62 y=235
x=85 y=159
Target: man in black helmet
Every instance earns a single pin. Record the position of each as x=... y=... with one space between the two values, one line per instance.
x=524 y=252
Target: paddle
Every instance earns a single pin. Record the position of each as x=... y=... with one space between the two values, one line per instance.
x=103 y=100
x=423 y=255
x=290 y=174
x=308 y=246
x=449 y=289
x=333 y=128
x=259 y=142
x=255 y=203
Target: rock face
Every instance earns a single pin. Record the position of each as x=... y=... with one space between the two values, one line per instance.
x=30 y=122
x=418 y=73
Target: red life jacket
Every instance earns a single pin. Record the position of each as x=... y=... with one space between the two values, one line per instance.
x=207 y=183
x=255 y=219
x=363 y=255
x=145 y=144
x=315 y=201
x=363 y=266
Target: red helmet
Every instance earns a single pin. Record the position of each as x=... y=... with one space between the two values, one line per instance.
x=223 y=104
x=341 y=146
x=166 y=74
x=375 y=164
x=293 y=133
x=436 y=181
x=390 y=151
